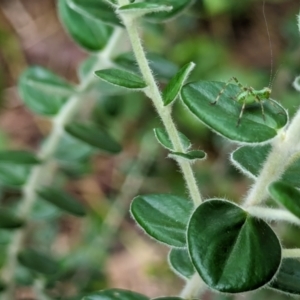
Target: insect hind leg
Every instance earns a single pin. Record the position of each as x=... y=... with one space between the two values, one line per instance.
x=224 y=88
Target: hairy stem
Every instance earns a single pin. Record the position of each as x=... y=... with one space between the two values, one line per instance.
x=164 y=112
x=291 y=253
x=45 y=154
x=194 y=288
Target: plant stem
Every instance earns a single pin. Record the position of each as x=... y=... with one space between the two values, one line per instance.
x=292 y=253
x=164 y=112
x=194 y=288
x=45 y=154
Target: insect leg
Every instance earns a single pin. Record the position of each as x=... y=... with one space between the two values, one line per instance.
x=224 y=88
x=241 y=114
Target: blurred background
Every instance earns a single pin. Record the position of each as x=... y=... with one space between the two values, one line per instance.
x=224 y=39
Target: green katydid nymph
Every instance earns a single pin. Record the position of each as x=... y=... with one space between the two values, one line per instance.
x=246 y=96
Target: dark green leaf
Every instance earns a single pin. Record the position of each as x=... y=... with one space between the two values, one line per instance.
x=14 y=175
x=288 y=278
x=178 y=7
x=122 y=78
x=163 y=138
x=38 y=262
x=286 y=195
x=180 y=261
x=9 y=220
x=190 y=156
x=223 y=116
x=162 y=68
x=163 y=216
x=96 y=10
x=142 y=8
x=90 y=34
x=291 y=174
x=62 y=200
x=43 y=91
x=19 y=157
x=250 y=159
x=232 y=251
x=94 y=136
x=173 y=88
x=115 y=294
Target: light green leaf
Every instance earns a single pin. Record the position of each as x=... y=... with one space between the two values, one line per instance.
x=43 y=91
x=38 y=262
x=96 y=10
x=14 y=175
x=122 y=78
x=140 y=9
x=232 y=251
x=163 y=138
x=190 y=156
x=115 y=294
x=178 y=6
x=180 y=262
x=223 y=116
x=161 y=67
x=90 y=34
x=62 y=200
x=173 y=88
x=163 y=216
x=286 y=195
x=19 y=157
x=250 y=159
x=288 y=278
x=9 y=221
x=94 y=136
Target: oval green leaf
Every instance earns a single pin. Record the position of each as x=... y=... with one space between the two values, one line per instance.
x=250 y=159
x=190 y=156
x=9 y=221
x=288 y=278
x=163 y=138
x=232 y=251
x=14 y=175
x=163 y=216
x=161 y=67
x=122 y=78
x=94 y=136
x=62 y=200
x=286 y=195
x=223 y=116
x=90 y=34
x=115 y=294
x=180 y=262
x=19 y=157
x=173 y=88
x=43 y=91
x=38 y=262
x=178 y=6
x=96 y=10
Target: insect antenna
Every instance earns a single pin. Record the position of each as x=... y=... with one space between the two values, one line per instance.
x=270 y=44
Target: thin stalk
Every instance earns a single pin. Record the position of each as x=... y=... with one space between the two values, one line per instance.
x=194 y=288
x=291 y=253
x=164 y=112
x=45 y=154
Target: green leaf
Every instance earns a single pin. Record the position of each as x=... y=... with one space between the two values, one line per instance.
x=94 y=136
x=90 y=34
x=38 y=262
x=223 y=116
x=288 y=278
x=163 y=216
x=122 y=78
x=115 y=294
x=173 y=88
x=232 y=251
x=291 y=174
x=286 y=195
x=14 y=175
x=180 y=262
x=250 y=159
x=161 y=67
x=19 y=157
x=62 y=200
x=142 y=8
x=9 y=220
x=43 y=91
x=178 y=6
x=191 y=156
x=96 y=10
x=163 y=138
